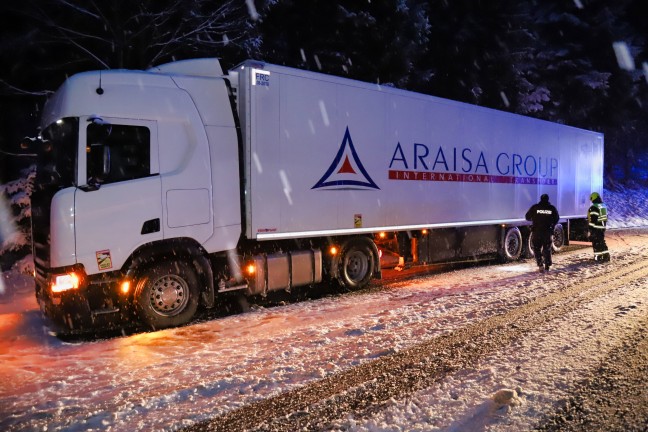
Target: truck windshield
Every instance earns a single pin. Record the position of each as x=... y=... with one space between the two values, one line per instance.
x=58 y=154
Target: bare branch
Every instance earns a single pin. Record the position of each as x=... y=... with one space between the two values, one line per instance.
x=17 y=90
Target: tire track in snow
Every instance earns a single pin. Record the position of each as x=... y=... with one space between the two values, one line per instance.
x=613 y=398
x=367 y=386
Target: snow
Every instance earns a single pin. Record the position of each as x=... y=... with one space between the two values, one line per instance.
x=624 y=58
x=168 y=379
x=254 y=15
x=12 y=239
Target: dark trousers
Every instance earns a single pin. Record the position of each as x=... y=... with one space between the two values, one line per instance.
x=598 y=244
x=404 y=245
x=541 y=243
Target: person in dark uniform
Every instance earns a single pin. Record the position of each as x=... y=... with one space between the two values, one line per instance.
x=544 y=218
x=597 y=217
x=404 y=250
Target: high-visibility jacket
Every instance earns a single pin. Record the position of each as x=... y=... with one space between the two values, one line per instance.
x=597 y=215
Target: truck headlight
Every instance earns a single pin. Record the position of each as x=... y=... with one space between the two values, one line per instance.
x=65 y=282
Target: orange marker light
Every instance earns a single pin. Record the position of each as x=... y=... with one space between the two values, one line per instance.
x=333 y=250
x=125 y=287
x=382 y=235
x=424 y=231
x=250 y=269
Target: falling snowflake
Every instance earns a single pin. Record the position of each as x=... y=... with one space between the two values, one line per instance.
x=624 y=58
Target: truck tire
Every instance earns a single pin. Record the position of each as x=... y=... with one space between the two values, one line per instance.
x=557 y=242
x=356 y=264
x=528 y=246
x=558 y=238
x=167 y=294
x=512 y=245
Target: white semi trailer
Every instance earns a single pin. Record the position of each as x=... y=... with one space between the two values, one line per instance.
x=157 y=190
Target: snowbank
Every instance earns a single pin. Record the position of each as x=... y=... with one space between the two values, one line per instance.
x=627 y=206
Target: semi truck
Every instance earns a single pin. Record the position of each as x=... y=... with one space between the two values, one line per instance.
x=159 y=190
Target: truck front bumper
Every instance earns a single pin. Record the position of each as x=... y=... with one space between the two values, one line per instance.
x=96 y=304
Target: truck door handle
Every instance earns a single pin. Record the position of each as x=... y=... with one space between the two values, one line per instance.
x=151 y=226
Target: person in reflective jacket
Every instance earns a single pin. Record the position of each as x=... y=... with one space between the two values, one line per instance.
x=597 y=217
x=544 y=218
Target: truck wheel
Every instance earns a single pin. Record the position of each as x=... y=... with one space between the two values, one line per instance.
x=167 y=295
x=528 y=247
x=356 y=264
x=512 y=247
x=558 y=241
x=558 y=238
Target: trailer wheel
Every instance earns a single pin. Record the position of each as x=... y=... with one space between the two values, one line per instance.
x=558 y=238
x=557 y=242
x=356 y=264
x=512 y=246
x=167 y=295
x=528 y=247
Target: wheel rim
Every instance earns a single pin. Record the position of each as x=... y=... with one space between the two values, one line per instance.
x=356 y=266
x=169 y=295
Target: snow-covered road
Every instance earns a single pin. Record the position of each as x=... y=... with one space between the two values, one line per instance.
x=168 y=379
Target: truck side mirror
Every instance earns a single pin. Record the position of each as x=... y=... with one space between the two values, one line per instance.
x=31 y=146
x=105 y=162
x=98 y=152
x=98 y=166
x=99 y=130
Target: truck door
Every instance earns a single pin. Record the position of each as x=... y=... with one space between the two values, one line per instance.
x=118 y=205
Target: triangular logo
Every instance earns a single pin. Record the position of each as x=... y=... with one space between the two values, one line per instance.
x=346 y=171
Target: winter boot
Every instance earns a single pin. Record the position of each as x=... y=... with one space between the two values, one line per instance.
x=401 y=264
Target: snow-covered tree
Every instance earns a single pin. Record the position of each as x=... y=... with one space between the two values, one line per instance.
x=564 y=61
x=85 y=34
x=378 y=41
x=44 y=41
x=467 y=58
x=15 y=221
x=588 y=55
